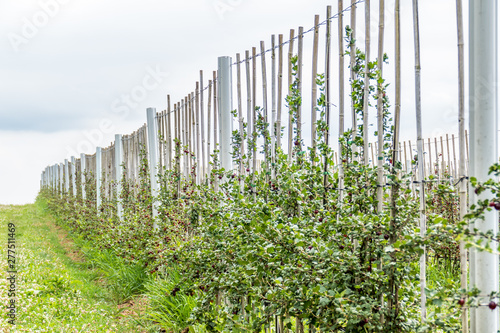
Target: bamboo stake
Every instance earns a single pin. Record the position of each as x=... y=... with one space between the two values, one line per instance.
x=443 y=169
x=191 y=141
x=216 y=136
x=183 y=124
x=169 y=130
x=209 y=116
x=178 y=157
x=264 y=98
x=198 y=135
x=366 y=92
x=240 y=112
x=254 y=120
x=203 y=142
x=280 y=91
x=406 y=158
x=380 y=110
x=448 y=154
x=299 y=77
x=216 y=182
x=352 y=55
x=454 y=156
x=341 y=90
x=161 y=137
x=431 y=169
x=327 y=94
x=273 y=107
x=462 y=140
x=437 y=158
x=397 y=105
x=373 y=156
x=420 y=158
x=314 y=87
x=249 y=108
x=290 y=78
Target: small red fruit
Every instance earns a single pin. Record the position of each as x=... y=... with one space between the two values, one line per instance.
x=461 y=302
x=497 y=205
x=492 y=305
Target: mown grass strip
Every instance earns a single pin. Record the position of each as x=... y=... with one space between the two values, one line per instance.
x=56 y=289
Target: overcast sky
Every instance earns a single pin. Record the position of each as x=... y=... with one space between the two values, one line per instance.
x=68 y=65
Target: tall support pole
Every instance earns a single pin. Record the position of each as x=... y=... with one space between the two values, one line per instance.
x=341 y=95
x=472 y=251
x=119 y=174
x=73 y=175
x=66 y=176
x=83 y=166
x=98 y=175
x=352 y=55
x=153 y=159
x=366 y=92
x=225 y=107
x=380 y=111
x=60 y=174
x=273 y=131
x=203 y=162
x=461 y=143
x=314 y=93
x=420 y=157
x=484 y=147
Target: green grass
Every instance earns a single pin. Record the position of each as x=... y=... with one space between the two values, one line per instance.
x=54 y=292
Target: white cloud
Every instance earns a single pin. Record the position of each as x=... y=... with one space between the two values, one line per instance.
x=66 y=78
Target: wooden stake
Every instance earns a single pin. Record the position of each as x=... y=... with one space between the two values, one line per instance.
x=280 y=91
x=290 y=81
x=352 y=55
x=264 y=98
x=366 y=92
x=327 y=93
x=314 y=96
x=341 y=89
x=420 y=159
x=454 y=156
x=209 y=116
x=249 y=107
x=198 y=135
x=380 y=110
x=273 y=130
x=169 y=131
x=299 y=77
x=203 y=142
x=254 y=119
x=448 y=155
x=240 y=112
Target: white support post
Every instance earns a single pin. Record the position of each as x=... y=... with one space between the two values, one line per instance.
x=98 y=174
x=82 y=173
x=66 y=175
x=61 y=178
x=73 y=175
x=484 y=150
x=153 y=159
x=119 y=173
x=225 y=94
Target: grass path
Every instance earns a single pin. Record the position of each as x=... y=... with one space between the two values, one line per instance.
x=56 y=290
